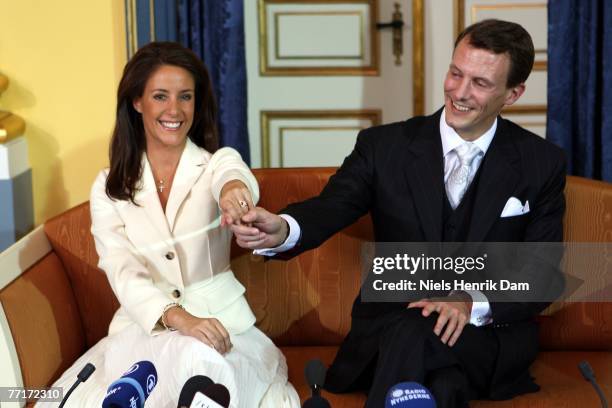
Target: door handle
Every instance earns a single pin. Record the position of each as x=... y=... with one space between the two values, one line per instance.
x=397 y=25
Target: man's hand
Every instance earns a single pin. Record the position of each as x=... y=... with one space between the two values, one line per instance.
x=454 y=313
x=260 y=229
x=235 y=201
x=209 y=331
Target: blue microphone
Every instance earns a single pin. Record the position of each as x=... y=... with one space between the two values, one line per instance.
x=409 y=394
x=133 y=388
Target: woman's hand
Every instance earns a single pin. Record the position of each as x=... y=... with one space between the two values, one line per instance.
x=235 y=201
x=209 y=331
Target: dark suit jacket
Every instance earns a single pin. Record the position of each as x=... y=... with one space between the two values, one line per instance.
x=396 y=173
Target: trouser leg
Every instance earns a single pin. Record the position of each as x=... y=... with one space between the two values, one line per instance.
x=409 y=350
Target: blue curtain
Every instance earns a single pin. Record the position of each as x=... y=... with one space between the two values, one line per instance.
x=214 y=29
x=580 y=84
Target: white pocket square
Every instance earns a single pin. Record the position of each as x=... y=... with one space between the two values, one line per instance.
x=514 y=207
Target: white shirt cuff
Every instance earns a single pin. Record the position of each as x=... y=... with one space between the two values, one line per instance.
x=481 y=310
x=290 y=242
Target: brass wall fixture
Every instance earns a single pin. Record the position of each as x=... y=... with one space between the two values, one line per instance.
x=397 y=25
x=10 y=125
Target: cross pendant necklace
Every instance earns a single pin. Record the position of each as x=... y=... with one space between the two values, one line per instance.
x=160 y=186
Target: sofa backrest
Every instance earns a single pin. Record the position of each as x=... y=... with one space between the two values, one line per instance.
x=304 y=301
x=71 y=239
x=307 y=300
x=582 y=325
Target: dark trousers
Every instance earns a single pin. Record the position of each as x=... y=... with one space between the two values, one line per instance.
x=409 y=350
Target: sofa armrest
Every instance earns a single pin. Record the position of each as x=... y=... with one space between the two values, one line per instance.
x=42 y=333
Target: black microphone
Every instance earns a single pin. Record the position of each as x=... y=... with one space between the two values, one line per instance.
x=133 y=388
x=193 y=385
x=589 y=375
x=82 y=376
x=315 y=377
x=214 y=396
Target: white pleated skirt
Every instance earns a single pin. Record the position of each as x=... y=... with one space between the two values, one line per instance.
x=254 y=371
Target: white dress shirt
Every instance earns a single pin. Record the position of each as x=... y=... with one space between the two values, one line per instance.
x=481 y=309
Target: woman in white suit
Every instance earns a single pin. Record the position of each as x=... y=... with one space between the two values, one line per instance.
x=159 y=218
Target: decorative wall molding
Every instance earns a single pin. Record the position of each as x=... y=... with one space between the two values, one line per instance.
x=319 y=121
x=490 y=8
x=290 y=45
x=418 y=57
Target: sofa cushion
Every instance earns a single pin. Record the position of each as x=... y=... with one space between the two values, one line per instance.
x=44 y=321
x=70 y=237
x=562 y=384
x=556 y=372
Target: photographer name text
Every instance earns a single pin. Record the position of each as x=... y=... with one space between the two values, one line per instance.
x=457 y=284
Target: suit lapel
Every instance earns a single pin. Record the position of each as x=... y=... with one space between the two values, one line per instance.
x=499 y=176
x=425 y=176
x=190 y=167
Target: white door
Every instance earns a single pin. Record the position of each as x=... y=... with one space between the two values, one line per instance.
x=318 y=72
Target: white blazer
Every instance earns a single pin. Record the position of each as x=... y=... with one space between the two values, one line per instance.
x=154 y=258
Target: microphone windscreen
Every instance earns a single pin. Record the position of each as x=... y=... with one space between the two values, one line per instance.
x=193 y=385
x=315 y=373
x=316 y=401
x=219 y=394
x=133 y=388
x=409 y=394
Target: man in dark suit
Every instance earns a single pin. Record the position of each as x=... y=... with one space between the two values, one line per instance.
x=462 y=174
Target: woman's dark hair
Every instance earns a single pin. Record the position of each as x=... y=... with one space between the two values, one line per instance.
x=128 y=141
x=502 y=37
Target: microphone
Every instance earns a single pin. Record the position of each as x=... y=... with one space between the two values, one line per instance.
x=409 y=394
x=82 y=376
x=589 y=375
x=315 y=372
x=201 y=392
x=133 y=388
x=192 y=385
x=214 y=396
x=315 y=375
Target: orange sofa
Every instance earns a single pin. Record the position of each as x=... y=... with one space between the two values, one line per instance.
x=59 y=303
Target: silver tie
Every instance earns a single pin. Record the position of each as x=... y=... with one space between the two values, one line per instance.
x=459 y=178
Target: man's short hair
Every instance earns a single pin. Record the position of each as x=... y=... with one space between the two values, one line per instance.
x=502 y=37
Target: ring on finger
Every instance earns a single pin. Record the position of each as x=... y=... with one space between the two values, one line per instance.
x=243 y=204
